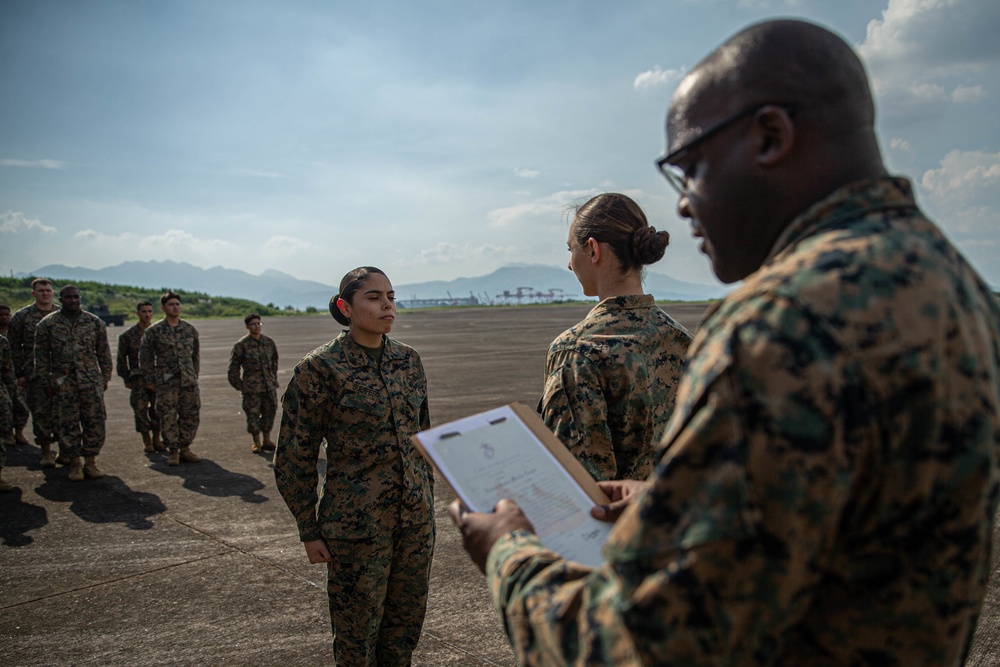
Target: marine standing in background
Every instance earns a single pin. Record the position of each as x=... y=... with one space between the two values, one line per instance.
x=610 y=380
x=141 y=398
x=253 y=370
x=20 y=408
x=8 y=384
x=22 y=345
x=73 y=360
x=827 y=488
x=362 y=396
x=170 y=359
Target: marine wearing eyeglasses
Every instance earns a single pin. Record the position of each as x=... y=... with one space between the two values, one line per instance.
x=826 y=488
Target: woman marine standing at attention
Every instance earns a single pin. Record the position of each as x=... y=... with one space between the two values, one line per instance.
x=610 y=380
x=364 y=394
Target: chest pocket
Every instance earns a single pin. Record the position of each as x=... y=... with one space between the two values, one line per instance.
x=358 y=408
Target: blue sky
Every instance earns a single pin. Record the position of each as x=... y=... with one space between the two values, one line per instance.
x=432 y=139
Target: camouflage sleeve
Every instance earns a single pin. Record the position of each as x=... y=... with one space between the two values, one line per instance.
x=299 y=440
x=121 y=365
x=147 y=356
x=274 y=358
x=196 y=353
x=235 y=360
x=15 y=330
x=7 y=368
x=42 y=355
x=103 y=350
x=574 y=408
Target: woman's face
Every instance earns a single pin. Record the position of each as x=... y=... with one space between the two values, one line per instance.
x=580 y=263
x=372 y=310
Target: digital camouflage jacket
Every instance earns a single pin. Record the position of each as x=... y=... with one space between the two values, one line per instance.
x=376 y=477
x=72 y=349
x=167 y=353
x=610 y=383
x=828 y=483
x=21 y=334
x=258 y=361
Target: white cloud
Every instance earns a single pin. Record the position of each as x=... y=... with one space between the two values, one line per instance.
x=526 y=173
x=656 y=77
x=98 y=237
x=286 y=244
x=963 y=94
x=175 y=241
x=551 y=207
x=920 y=49
x=13 y=222
x=33 y=164
x=965 y=193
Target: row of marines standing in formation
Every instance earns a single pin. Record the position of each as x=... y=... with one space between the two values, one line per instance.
x=55 y=364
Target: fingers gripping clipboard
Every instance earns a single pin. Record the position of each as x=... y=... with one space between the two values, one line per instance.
x=508 y=452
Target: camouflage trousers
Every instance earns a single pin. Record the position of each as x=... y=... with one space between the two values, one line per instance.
x=378 y=596
x=179 y=409
x=143 y=402
x=79 y=417
x=260 y=408
x=6 y=426
x=43 y=424
x=20 y=409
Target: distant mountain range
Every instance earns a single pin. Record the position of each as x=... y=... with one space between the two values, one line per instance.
x=535 y=282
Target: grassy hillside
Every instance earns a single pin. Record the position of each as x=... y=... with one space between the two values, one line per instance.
x=121 y=300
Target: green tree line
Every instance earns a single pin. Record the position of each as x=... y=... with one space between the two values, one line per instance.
x=121 y=299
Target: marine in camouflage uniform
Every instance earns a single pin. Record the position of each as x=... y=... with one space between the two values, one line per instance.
x=376 y=513
x=170 y=360
x=73 y=360
x=141 y=398
x=8 y=386
x=828 y=482
x=22 y=342
x=20 y=408
x=610 y=385
x=253 y=371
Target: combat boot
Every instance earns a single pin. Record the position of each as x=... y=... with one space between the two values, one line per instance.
x=90 y=469
x=147 y=442
x=187 y=455
x=255 y=447
x=19 y=438
x=157 y=445
x=174 y=458
x=48 y=461
x=76 y=469
x=4 y=486
x=268 y=443
x=63 y=460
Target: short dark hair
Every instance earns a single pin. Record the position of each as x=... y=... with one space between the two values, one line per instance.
x=40 y=281
x=349 y=286
x=168 y=295
x=251 y=316
x=141 y=304
x=4 y=306
x=66 y=287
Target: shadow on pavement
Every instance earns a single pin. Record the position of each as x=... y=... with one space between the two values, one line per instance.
x=19 y=518
x=211 y=479
x=105 y=500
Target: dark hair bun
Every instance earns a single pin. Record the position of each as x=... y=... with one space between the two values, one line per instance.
x=648 y=245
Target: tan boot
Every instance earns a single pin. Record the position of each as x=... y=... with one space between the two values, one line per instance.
x=19 y=438
x=4 y=486
x=255 y=447
x=147 y=442
x=174 y=458
x=157 y=445
x=90 y=469
x=48 y=461
x=187 y=455
x=268 y=443
x=76 y=469
x=63 y=460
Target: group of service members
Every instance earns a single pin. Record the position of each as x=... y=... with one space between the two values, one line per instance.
x=55 y=364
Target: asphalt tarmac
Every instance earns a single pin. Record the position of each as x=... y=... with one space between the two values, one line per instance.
x=201 y=564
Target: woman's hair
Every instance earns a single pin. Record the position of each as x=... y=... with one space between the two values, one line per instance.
x=349 y=286
x=615 y=219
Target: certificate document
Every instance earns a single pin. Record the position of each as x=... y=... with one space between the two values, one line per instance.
x=509 y=453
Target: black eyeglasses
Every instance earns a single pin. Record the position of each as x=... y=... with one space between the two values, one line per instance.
x=674 y=175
